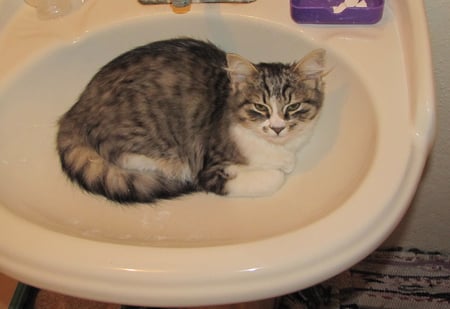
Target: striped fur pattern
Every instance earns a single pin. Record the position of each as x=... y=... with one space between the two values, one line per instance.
x=180 y=116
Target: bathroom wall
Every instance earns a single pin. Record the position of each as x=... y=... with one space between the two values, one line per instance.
x=427 y=224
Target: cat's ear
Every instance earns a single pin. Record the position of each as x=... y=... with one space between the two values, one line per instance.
x=312 y=66
x=239 y=69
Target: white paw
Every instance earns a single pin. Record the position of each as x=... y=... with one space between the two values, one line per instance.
x=254 y=182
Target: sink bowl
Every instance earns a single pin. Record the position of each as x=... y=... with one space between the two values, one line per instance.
x=352 y=183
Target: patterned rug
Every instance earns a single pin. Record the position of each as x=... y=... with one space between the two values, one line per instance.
x=391 y=279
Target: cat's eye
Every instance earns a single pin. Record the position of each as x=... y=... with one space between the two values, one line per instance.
x=293 y=107
x=261 y=107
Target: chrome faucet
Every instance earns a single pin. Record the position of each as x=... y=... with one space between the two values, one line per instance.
x=185 y=3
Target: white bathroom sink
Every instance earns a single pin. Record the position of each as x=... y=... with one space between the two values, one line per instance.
x=352 y=184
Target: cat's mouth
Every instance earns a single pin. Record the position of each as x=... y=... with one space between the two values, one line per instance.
x=277 y=138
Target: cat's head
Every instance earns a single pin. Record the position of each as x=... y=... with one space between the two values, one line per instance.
x=277 y=101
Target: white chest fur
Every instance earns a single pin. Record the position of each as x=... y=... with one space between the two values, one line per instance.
x=262 y=154
x=267 y=165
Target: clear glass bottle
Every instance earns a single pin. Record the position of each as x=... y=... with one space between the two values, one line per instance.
x=47 y=9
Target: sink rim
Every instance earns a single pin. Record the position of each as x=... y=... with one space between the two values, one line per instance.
x=284 y=274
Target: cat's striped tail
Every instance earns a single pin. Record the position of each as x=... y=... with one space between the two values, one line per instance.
x=87 y=168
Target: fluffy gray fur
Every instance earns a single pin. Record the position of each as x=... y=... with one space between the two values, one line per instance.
x=180 y=116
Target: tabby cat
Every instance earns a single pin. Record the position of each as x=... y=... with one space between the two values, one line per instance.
x=180 y=116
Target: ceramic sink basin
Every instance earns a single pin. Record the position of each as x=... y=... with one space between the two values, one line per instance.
x=352 y=184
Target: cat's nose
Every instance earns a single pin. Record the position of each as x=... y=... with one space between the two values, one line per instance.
x=277 y=129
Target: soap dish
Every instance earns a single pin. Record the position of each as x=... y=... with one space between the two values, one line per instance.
x=337 y=11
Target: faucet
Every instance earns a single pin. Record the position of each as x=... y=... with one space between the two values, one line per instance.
x=180 y=3
x=185 y=3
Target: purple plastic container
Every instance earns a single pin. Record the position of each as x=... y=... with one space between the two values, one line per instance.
x=321 y=12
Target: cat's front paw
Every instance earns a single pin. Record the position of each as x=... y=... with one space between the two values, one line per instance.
x=232 y=171
x=215 y=178
x=254 y=182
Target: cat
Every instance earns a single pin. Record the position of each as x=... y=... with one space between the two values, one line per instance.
x=180 y=115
